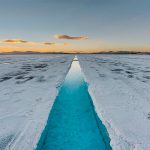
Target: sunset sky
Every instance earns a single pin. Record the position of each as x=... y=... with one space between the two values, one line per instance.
x=74 y=25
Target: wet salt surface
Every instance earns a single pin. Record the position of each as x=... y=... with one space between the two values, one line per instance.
x=73 y=123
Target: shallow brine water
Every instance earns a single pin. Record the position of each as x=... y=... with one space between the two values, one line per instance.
x=73 y=123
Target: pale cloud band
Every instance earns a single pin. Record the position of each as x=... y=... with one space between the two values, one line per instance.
x=67 y=37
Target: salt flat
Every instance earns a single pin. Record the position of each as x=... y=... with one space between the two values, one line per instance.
x=27 y=92
x=119 y=86
x=120 y=89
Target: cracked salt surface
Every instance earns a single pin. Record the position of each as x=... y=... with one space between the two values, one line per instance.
x=24 y=103
x=121 y=96
x=73 y=123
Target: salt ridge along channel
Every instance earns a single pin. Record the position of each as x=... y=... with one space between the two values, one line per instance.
x=73 y=123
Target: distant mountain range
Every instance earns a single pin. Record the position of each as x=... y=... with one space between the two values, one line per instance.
x=122 y=52
x=109 y=52
x=29 y=52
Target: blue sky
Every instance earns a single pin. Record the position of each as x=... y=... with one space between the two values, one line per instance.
x=116 y=23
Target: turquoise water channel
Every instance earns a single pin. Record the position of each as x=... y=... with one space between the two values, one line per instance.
x=73 y=123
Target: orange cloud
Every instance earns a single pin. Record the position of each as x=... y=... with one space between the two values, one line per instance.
x=49 y=43
x=60 y=36
x=16 y=41
x=19 y=41
x=66 y=44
